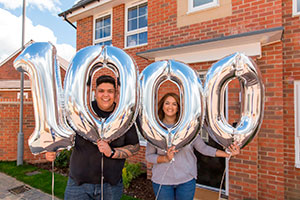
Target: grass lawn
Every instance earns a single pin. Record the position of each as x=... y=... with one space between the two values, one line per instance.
x=41 y=181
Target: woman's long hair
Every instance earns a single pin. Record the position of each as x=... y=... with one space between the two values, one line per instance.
x=161 y=102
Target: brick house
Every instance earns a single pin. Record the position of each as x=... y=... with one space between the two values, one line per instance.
x=201 y=32
x=10 y=109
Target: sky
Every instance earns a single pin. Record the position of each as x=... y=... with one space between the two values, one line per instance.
x=42 y=24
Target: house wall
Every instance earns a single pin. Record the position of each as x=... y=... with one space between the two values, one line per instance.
x=246 y=16
x=8 y=72
x=265 y=169
x=10 y=114
x=291 y=73
x=9 y=123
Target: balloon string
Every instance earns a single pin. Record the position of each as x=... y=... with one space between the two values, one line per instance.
x=102 y=176
x=53 y=180
x=163 y=177
x=223 y=179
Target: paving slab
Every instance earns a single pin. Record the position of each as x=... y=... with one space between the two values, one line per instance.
x=24 y=192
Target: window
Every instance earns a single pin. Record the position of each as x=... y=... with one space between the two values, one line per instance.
x=297 y=122
x=296 y=7
x=108 y=43
x=195 y=5
x=142 y=140
x=137 y=24
x=103 y=30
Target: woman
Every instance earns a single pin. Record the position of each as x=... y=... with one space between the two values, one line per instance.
x=177 y=179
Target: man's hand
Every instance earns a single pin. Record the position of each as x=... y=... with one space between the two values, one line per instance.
x=50 y=156
x=104 y=147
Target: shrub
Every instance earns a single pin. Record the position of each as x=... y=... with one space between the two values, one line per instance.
x=130 y=172
x=63 y=159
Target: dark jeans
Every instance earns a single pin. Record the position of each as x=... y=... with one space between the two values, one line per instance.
x=184 y=191
x=92 y=191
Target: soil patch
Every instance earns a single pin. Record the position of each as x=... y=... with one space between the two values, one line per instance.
x=140 y=188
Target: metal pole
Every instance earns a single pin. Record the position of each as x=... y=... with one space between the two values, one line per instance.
x=21 y=134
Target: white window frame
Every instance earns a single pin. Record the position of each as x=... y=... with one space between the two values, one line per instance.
x=137 y=31
x=297 y=122
x=295 y=5
x=203 y=133
x=214 y=3
x=96 y=41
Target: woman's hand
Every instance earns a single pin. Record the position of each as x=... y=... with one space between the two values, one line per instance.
x=50 y=156
x=170 y=153
x=234 y=149
x=104 y=147
x=168 y=157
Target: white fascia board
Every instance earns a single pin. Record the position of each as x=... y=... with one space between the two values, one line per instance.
x=13 y=84
x=94 y=9
x=252 y=49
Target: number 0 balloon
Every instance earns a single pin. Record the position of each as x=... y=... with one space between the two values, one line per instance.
x=85 y=62
x=191 y=115
x=218 y=76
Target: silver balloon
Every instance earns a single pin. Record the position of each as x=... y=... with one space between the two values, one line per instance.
x=51 y=131
x=218 y=76
x=84 y=121
x=192 y=115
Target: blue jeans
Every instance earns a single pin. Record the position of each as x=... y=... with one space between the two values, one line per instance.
x=184 y=191
x=92 y=191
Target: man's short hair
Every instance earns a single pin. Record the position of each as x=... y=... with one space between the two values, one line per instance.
x=105 y=79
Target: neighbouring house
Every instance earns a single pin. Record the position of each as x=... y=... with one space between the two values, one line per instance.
x=10 y=109
x=199 y=33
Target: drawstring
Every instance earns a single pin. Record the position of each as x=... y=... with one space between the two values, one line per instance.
x=53 y=180
x=163 y=179
x=223 y=179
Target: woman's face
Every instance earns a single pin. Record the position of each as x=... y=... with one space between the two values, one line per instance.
x=170 y=107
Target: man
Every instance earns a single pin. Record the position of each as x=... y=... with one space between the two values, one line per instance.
x=85 y=164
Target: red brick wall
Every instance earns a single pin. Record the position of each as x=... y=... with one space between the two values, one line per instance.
x=9 y=123
x=270 y=138
x=84 y=33
x=8 y=71
x=246 y=16
x=291 y=72
x=118 y=17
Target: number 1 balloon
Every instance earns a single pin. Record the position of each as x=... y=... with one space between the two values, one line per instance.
x=51 y=131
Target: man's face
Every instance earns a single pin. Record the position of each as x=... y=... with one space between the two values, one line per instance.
x=105 y=96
